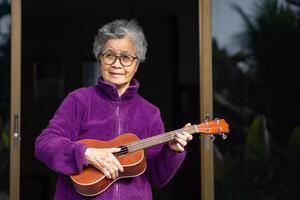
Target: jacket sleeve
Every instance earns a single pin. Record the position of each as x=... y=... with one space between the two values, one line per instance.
x=56 y=146
x=162 y=161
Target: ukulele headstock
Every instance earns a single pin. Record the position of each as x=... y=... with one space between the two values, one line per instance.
x=214 y=127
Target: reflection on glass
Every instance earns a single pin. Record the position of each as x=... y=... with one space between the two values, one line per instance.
x=256 y=80
x=4 y=97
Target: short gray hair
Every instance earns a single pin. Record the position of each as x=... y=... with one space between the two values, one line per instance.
x=118 y=29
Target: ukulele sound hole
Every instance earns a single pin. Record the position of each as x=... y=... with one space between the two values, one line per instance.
x=124 y=150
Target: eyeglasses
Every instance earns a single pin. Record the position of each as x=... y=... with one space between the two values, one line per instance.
x=125 y=60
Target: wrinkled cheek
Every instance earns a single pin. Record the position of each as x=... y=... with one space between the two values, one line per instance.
x=105 y=75
x=130 y=75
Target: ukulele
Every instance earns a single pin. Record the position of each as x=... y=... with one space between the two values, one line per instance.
x=92 y=181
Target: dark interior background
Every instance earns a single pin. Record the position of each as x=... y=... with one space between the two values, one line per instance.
x=255 y=80
x=63 y=31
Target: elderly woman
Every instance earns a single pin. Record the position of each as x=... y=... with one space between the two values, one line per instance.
x=105 y=111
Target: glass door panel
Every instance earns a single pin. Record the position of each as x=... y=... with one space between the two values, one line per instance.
x=5 y=36
x=256 y=88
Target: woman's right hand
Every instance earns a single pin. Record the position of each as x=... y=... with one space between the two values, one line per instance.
x=105 y=161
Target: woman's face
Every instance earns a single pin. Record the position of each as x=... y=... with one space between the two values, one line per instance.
x=116 y=73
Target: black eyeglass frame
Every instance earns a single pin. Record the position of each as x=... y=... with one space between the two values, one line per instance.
x=120 y=60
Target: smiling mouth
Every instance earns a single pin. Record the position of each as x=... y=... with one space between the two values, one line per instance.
x=116 y=74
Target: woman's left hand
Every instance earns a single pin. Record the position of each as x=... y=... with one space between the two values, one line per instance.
x=180 y=141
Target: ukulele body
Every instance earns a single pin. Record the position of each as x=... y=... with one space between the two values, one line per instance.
x=92 y=181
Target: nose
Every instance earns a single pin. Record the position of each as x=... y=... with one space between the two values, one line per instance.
x=117 y=63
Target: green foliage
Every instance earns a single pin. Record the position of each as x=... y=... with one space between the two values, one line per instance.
x=262 y=160
x=271 y=39
x=4 y=154
x=265 y=169
x=293 y=146
x=257 y=145
x=236 y=177
x=4 y=140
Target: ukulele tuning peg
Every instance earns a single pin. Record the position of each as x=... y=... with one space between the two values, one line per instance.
x=206 y=118
x=224 y=136
x=212 y=137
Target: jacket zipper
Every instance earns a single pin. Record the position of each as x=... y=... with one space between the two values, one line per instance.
x=119 y=133
x=119 y=119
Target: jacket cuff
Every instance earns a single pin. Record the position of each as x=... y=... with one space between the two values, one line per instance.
x=79 y=156
x=176 y=155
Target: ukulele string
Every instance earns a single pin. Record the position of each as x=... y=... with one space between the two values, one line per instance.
x=137 y=145
x=158 y=139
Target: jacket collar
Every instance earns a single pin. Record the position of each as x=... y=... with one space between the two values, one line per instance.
x=110 y=90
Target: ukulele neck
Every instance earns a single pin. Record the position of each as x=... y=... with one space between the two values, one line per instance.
x=158 y=139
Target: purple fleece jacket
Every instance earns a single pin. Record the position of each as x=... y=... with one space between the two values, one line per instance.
x=98 y=112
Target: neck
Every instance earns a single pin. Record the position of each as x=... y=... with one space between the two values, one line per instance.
x=122 y=88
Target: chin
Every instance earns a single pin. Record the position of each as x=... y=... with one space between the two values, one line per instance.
x=118 y=83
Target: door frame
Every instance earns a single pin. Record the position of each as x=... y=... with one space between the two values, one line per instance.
x=15 y=101
x=206 y=97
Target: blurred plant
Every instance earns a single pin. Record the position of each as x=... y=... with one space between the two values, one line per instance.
x=261 y=161
x=4 y=154
x=4 y=96
x=272 y=41
x=264 y=169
